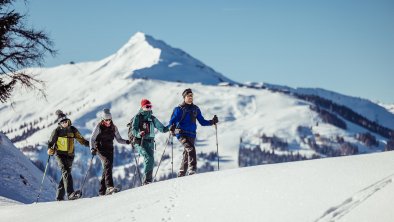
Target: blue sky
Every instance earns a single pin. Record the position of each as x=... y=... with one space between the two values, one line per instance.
x=342 y=45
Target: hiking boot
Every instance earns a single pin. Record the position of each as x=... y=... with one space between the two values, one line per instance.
x=191 y=172
x=181 y=174
x=146 y=183
x=72 y=196
x=111 y=190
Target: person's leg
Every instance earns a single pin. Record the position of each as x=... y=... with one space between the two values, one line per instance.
x=192 y=157
x=189 y=159
x=106 y=177
x=65 y=184
x=109 y=181
x=60 y=190
x=147 y=151
x=69 y=185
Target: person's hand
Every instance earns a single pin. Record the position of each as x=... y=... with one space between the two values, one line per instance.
x=127 y=141
x=93 y=152
x=215 y=120
x=172 y=129
x=165 y=129
x=142 y=133
x=51 y=152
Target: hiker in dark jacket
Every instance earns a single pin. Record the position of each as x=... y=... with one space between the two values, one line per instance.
x=143 y=130
x=183 y=125
x=62 y=141
x=102 y=141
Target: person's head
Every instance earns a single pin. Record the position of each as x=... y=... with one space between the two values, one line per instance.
x=106 y=117
x=62 y=119
x=188 y=96
x=146 y=105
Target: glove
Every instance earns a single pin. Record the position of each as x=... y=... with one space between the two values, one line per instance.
x=127 y=141
x=51 y=152
x=172 y=129
x=93 y=152
x=215 y=120
x=142 y=133
x=165 y=129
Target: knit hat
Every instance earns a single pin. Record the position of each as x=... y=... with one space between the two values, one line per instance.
x=186 y=91
x=106 y=114
x=61 y=116
x=145 y=102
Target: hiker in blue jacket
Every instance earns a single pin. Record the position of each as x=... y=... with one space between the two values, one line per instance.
x=183 y=125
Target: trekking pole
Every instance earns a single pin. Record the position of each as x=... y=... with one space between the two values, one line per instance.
x=172 y=156
x=136 y=164
x=79 y=192
x=158 y=166
x=43 y=177
x=217 y=144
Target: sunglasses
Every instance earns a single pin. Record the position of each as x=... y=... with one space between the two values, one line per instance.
x=148 y=107
x=64 y=121
x=107 y=120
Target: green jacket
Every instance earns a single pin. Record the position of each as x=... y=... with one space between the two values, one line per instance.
x=62 y=139
x=150 y=121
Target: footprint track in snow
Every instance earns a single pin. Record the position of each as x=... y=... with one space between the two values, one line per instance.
x=171 y=203
x=337 y=212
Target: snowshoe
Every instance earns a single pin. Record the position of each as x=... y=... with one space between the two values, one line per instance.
x=112 y=190
x=75 y=195
x=146 y=183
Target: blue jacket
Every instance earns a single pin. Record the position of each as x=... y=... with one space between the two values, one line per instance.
x=188 y=125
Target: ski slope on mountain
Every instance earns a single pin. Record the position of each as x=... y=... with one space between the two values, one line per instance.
x=352 y=189
x=20 y=179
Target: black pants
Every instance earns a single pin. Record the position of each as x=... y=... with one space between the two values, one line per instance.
x=65 y=163
x=107 y=161
x=189 y=160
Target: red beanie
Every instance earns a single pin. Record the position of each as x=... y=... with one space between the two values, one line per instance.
x=145 y=102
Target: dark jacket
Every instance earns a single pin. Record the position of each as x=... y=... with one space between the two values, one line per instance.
x=62 y=139
x=103 y=137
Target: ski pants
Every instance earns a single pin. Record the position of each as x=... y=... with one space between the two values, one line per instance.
x=189 y=160
x=147 y=151
x=107 y=161
x=65 y=163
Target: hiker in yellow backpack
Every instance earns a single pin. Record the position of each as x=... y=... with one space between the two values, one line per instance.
x=62 y=141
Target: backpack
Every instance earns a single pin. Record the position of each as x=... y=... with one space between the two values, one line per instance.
x=132 y=138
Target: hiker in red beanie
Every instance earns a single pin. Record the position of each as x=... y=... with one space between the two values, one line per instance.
x=143 y=131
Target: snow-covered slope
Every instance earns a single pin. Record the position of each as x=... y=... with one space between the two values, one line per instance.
x=364 y=107
x=352 y=189
x=389 y=107
x=20 y=178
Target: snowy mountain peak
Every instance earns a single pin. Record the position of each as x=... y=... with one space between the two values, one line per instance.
x=146 y=57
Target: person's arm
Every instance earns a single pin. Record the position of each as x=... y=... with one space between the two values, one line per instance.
x=80 y=138
x=53 y=139
x=202 y=120
x=159 y=125
x=119 y=138
x=93 y=137
x=175 y=117
x=135 y=126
